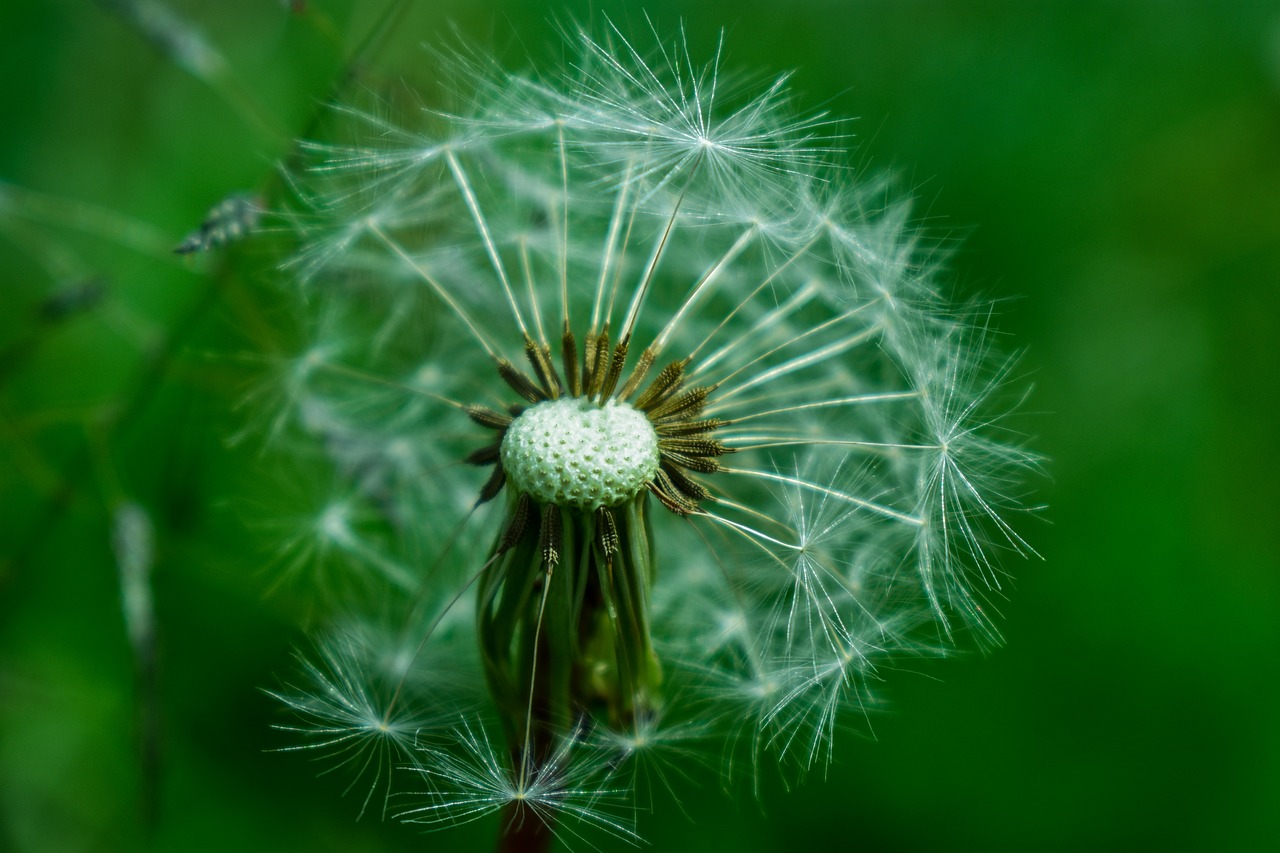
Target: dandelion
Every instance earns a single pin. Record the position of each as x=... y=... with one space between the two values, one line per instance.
x=665 y=431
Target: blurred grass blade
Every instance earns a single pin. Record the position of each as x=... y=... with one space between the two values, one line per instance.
x=133 y=541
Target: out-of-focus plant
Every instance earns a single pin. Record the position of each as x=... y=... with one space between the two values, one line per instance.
x=131 y=299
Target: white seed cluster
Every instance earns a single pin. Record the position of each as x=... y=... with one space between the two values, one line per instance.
x=578 y=454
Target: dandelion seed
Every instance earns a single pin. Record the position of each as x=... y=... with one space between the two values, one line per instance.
x=695 y=446
x=476 y=781
x=354 y=718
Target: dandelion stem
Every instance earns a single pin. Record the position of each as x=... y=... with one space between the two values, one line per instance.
x=610 y=247
x=708 y=279
x=840 y=401
x=879 y=509
x=746 y=300
x=523 y=832
x=642 y=289
x=464 y=186
x=436 y=286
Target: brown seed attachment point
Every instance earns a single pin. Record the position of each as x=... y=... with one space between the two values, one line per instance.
x=551 y=534
x=558 y=457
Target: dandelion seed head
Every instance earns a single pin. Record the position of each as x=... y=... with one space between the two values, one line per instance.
x=572 y=453
x=636 y=392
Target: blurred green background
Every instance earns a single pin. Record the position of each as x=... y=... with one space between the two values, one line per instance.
x=1109 y=171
